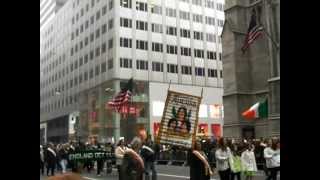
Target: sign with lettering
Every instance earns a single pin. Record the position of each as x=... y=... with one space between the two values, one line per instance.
x=90 y=155
x=179 y=120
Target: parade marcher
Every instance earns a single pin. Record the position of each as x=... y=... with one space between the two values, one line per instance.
x=132 y=167
x=71 y=163
x=99 y=162
x=272 y=156
x=41 y=160
x=51 y=156
x=222 y=159
x=248 y=161
x=58 y=158
x=110 y=150
x=199 y=166
x=148 y=155
x=119 y=153
x=63 y=154
x=235 y=162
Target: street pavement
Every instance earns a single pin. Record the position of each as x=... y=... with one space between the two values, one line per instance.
x=165 y=172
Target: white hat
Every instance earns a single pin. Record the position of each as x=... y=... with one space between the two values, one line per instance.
x=121 y=138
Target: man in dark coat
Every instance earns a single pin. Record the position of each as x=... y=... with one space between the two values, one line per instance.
x=148 y=155
x=51 y=159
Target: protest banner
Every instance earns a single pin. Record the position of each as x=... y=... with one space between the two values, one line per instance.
x=90 y=155
x=179 y=120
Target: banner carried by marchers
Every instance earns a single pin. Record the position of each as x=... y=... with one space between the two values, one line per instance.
x=179 y=120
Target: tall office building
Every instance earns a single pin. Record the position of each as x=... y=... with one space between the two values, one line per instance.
x=92 y=47
x=254 y=75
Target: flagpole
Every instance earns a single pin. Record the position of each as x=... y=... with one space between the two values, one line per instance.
x=272 y=40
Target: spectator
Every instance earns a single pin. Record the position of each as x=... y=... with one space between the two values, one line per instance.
x=222 y=160
x=235 y=162
x=249 y=161
x=272 y=156
x=119 y=153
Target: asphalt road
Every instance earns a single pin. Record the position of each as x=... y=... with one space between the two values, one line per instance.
x=165 y=172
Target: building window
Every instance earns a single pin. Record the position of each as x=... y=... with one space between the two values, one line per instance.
x=171 y=49
x=110 y=4
x=125 y=63
x=171 y=12
x=103 y=48
x=141 y=25
x=110 y=43
x=103 y=67
x=185 y=33
x=220 y=22
x=156 y=10
x=220 y=73
x=76 y=65
x=199 y=71
x=197 y=2
x=87 y=7
x=97 y=15
x=91 y=37
x=86 y=58
x=85 y=76
x=210 y=20
x=157 y=28
x=91 y=55
x=91 y=19
x=186 y=70
x=143 y=45
x=104 y=28
x=209 y=4
x=86 y=25
x=171 y=30
x=76 y=48
x=97 y=33
x=198 y=35
x=187 y=1
x=110 y=24
x=81 y=61
x=157 y=47
x=172 y=68
x=71 y=52
x=125 y=42
x=220 y=56
x=92 y=3
x=184 y=15
x=75 y=81
x=157 y=66
x=197 y=18
x=198 y=53
x=97 y=51
x=91 y=74
x=211 y=37
x=126 y=3
x=104 y=10
x=125 y=22
x=110 y=63
x=97 y=71
x=211 y=55
x=80 y=78
x=77 y=32
x=185 y=51
x=141 y=6
x=142 y=65
x=220 y=7
x=81 y=28
x=212 y=73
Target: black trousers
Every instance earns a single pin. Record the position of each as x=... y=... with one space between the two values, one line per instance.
x=42 y=167
x=273 y=172
x=99 y=166
x=233 y=175
x=119 y=172
x=51 y=166
x=224 y=175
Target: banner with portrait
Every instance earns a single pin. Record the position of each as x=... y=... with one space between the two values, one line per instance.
x=179 y=120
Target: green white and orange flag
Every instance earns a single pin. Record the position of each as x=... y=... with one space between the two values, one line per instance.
x=258 y=110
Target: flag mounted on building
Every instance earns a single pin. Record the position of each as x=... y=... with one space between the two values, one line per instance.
x=258 y=110
x=123 y=98
x=254 y=32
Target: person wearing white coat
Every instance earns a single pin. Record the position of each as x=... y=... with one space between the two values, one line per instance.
x=248 y=161
x=223 y=154
x=119 y=153
x=272 y=155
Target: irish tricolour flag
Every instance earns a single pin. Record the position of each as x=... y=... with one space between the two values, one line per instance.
x=258 y=110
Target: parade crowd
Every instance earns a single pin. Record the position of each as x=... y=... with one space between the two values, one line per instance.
x=230 y=158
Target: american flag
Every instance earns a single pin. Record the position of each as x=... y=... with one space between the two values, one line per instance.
x=254 y=31
x=122 y=98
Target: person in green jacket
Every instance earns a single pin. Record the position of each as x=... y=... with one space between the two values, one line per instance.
x=235 y=162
